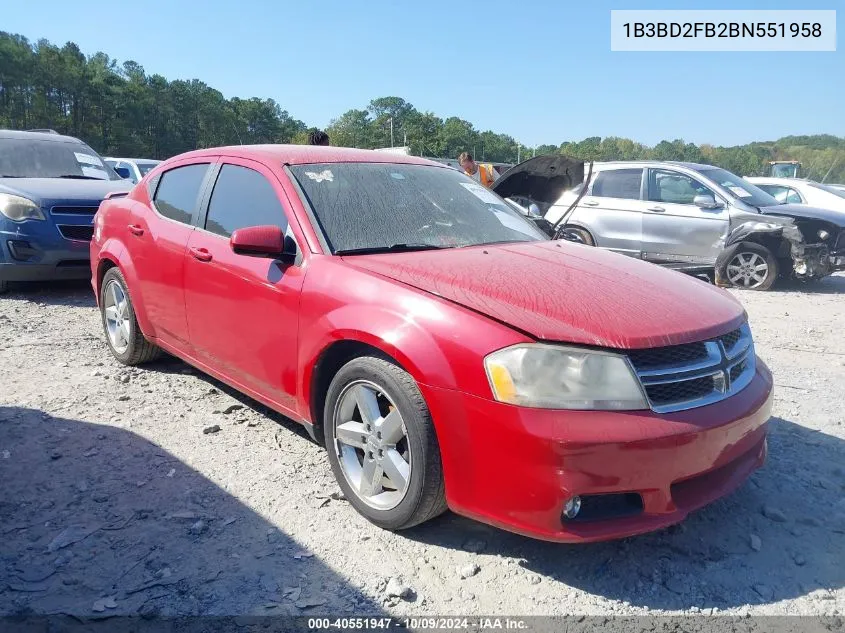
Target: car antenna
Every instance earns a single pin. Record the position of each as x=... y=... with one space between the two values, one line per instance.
x=560 y=225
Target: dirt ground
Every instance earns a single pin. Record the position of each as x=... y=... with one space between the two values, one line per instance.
x=114 y=498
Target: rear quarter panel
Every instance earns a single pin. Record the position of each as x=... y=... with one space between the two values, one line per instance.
x=109 y=246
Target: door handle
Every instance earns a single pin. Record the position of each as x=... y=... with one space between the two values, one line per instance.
x=656 y=209
x=201 y=254
x=135 y=229
x=590 y=203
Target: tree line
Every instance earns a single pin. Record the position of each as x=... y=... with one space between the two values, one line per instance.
x=120 y=110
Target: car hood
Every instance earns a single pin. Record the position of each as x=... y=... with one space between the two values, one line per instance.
x=543 y=179
x=804 y=212
x=557 y=291
x=47 y=191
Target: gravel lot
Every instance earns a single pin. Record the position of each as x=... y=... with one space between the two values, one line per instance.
x=119 y=496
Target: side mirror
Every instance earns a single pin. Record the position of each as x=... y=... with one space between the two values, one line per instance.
x=706 y=202
x=262 y=241
x=124 y=173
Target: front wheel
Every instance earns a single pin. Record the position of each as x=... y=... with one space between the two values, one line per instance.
x=750 y=266
x=382 y=446
x=581 y=236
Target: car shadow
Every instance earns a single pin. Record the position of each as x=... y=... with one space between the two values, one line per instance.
x=709 y=560
x=833 y=284
x=167 y=364
x=73 y=293
x=98 y=521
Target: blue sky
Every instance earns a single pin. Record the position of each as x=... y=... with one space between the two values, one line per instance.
x=541 y=70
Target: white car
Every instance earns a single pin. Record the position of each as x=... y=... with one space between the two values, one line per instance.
x=798 y=191
x=137 y=168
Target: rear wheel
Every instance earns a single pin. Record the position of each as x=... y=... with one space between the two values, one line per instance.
x=124 y=337
x=382 y=446
x=751 y=266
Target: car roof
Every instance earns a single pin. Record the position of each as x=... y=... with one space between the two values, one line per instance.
x=133 y=160
x=307 y=154
x=39 y=136
x=644 y=163
x=775 y=180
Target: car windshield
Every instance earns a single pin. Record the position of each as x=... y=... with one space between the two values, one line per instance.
x=740 y=188
x=146 y=166
x=829 y=189
x=37 y=158
x=383 y=206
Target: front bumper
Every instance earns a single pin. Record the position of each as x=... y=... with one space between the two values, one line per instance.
x=37 y=251
x=515 y=468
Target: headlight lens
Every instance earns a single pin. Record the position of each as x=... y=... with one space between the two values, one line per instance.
x=18 y=209
x=823 y=235
x=552 y=377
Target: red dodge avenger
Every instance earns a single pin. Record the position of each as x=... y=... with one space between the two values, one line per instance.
x=444 y=350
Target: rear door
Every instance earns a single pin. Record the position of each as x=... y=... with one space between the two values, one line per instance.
x=612 y=210
x=157 y=242
x=243 y=311
x=675 y=230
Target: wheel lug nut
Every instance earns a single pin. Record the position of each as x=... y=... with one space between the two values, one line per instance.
x=380 y=453
x=378 y=434
x=370 y=455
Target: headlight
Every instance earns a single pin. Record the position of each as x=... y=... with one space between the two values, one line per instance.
x=18 y=209
x=823 y=235
x=553 y=377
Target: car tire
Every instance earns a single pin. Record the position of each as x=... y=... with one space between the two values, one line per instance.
x=585 y=236
x=749 y=266
x=368 y=396
x=123 y=335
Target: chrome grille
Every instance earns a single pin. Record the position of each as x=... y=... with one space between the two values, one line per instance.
x=696 y=374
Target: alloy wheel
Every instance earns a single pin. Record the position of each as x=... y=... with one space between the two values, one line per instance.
x=371 y=442
x=118 y=321
x=746 y=269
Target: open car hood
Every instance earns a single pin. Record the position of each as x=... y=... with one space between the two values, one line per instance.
x=543 y=178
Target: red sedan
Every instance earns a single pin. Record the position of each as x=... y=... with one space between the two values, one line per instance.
x=445 y=351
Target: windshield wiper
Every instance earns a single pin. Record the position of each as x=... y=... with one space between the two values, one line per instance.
x=393 y=248
x=79 y=177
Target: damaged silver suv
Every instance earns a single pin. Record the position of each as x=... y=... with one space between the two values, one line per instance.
x=691 y=217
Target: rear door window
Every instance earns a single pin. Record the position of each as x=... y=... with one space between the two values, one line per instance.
x=618 y=183
x=243 y=197
x=178 y=192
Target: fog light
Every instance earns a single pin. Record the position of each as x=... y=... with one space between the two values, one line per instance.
x=571 y=508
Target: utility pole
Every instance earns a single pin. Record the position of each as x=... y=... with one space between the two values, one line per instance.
x=391 y=131
x=518 y=147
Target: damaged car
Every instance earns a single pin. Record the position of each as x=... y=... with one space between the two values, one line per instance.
x=695 y=218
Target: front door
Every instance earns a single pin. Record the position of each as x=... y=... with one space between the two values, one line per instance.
x=243 y=311
x=675 y=230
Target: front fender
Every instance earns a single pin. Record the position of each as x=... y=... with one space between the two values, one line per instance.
x=395 y=334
